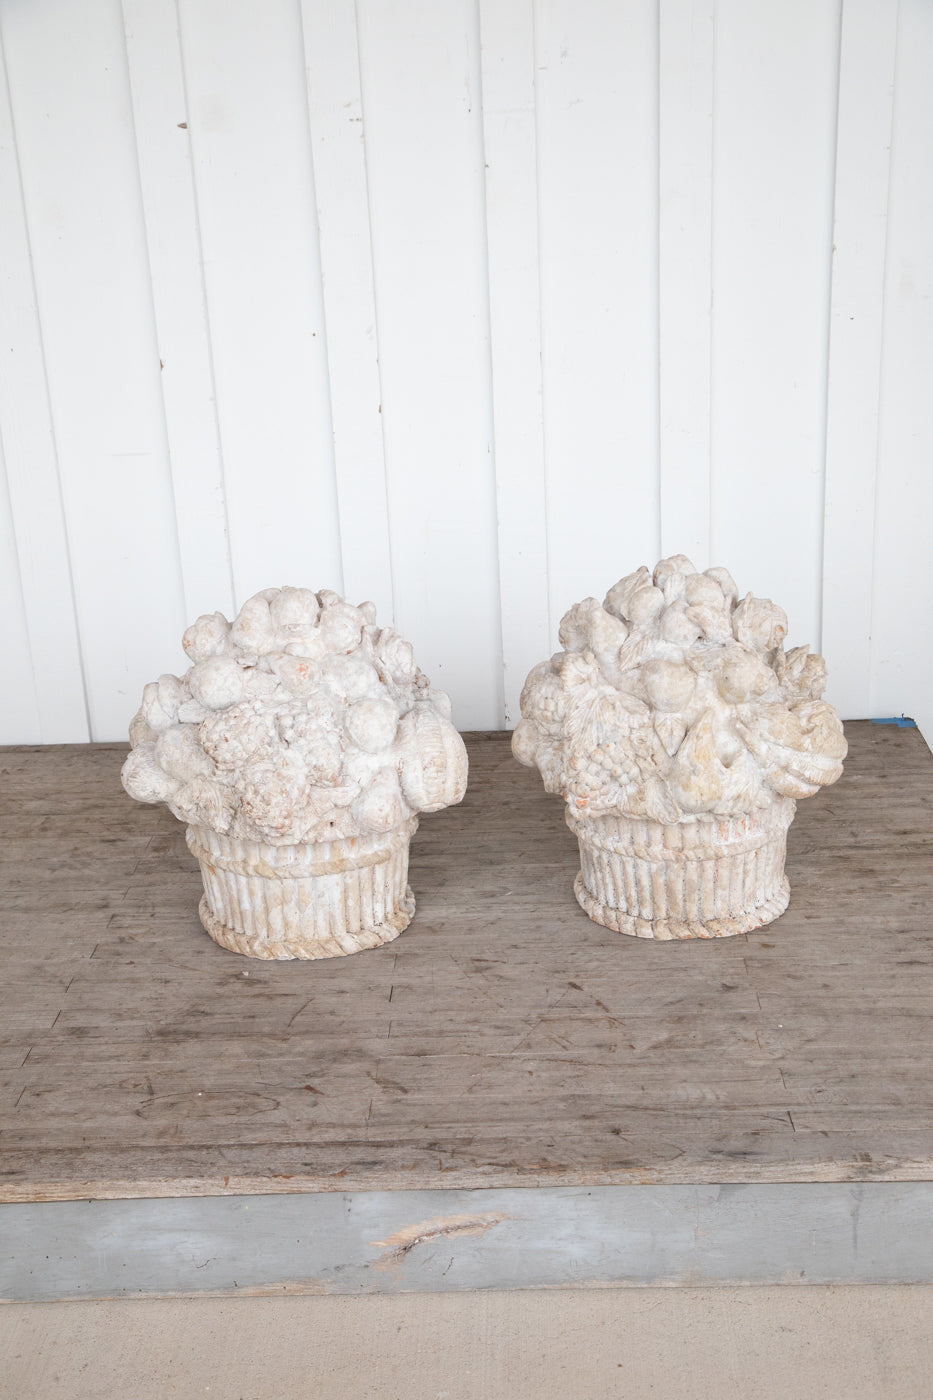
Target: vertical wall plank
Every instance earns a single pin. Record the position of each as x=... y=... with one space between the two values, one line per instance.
x=596 y=75
x=685 y=187
x=160 y=113
x=248 y=122
x=71 y=108
x=336 y=115
x=35 y=545
x=528 y=635
x=773 y=157
x=19 y=710
x=866 y=90
x=423 y=128
x=902 y=660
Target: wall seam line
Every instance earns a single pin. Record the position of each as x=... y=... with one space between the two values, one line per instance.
x=152 y=306
x=206 y=309
x=372 y=262
x=885 y=288
x=828 y=339
x=658 y=274
x=327 y=365
x=552 y=631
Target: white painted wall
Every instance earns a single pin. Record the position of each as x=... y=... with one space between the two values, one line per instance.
x=465 y=308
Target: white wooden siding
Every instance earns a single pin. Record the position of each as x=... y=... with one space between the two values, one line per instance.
x=465 y=308
x=773 y=156
x=863 y=174
x=686 y=62
x=900 y=629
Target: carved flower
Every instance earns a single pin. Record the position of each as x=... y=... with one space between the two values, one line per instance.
x=759 y=623
x=394 y=659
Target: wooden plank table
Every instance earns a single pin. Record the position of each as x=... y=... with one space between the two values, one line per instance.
x=503 y=1041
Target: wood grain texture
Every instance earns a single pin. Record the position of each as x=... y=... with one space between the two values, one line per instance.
x=503 y=1040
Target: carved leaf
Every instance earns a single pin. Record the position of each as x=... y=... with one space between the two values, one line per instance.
x=659 y=804
x=794 y=662
x=671 y=729
x=673 y=585
x=715 y=625
x=632 y=651
x=698 y=775
x=595 y=720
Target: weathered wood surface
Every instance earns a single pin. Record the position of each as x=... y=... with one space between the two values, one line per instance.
x=504 y=1040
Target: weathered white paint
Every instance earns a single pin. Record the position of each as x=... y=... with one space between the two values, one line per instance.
x=682 y=839
x=468 y=309
x=315 y=865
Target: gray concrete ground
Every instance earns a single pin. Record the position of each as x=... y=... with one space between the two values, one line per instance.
x=783 y=1343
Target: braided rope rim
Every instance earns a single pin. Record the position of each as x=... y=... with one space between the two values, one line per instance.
x=665 y=930
x=221 y=852
x=337 y=945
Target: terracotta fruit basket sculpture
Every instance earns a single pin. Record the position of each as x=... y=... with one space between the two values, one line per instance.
x=681 y=735
x=299 y=749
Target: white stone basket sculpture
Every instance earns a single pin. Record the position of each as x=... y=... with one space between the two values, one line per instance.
x=299 y=749
x=680 y=735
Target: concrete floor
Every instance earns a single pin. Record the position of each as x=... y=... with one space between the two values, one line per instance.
x=816 y=1343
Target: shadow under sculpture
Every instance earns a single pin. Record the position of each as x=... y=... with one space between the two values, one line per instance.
x=299 y=749
x=680 y=735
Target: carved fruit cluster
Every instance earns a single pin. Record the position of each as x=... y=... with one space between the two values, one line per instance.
x=673 y=697
x=302 y=721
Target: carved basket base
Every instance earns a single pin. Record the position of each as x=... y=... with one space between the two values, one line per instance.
x=704 y=877
x=317 y=901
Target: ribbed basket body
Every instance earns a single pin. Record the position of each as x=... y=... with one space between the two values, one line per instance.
x=703 y=877
x=318 y=901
